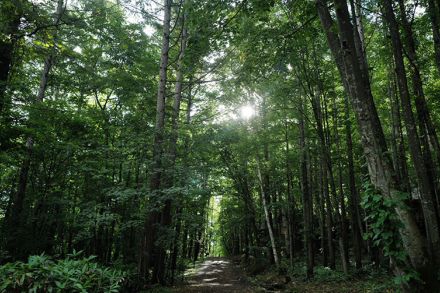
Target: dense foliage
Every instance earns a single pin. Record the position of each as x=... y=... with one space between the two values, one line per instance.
x=42 y=274
x=149 y=135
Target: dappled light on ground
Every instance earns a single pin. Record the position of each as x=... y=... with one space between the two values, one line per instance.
x=216 y=275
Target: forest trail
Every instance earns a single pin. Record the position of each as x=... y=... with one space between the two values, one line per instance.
x=216 y=275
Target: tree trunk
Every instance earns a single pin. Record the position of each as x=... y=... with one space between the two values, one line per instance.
x=373 y=141
x=18 y=198
x=434 y=14
x=269 y=193
x=185 y=156
x=343 y=239
x=427 y=130
x=149 y=248
x=324 y=138
x=306 y=196
x=291 y=201
x=328 y=216
x=320 y=200
x=354 y=195
x=398 y=143
x=170 y=159
x=427 y=197
x=266 y=215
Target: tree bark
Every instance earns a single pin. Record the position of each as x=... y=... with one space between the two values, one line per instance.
x=427 y=130
x=175 y=252
x=398 y=143
x=426 y=190
x=331 y=201
x=374 y=146
x=343 y=239
x=291 y=201
x=306 y=196
x=434 y=15
x=320 y=200
x=170 y=159
x=266 y=215
x=149 y=248
x=354 y=195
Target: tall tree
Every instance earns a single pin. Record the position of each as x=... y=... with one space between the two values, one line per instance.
x=434 y=15
x=306 y=195
x=379 y=164
x=427 y=192
x=170 y=156
x=18 y=198
x=149 y=247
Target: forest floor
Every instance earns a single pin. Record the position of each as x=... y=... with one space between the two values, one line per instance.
x=226 y=275
x=216 y=275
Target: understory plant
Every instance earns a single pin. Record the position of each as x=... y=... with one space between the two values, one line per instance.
x=383 y=230
x=41 y=273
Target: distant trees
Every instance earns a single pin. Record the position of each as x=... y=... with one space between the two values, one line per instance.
x=354 y=72
x=362 y=89
x=13 y=218
x=81 y=180
x=131 y=147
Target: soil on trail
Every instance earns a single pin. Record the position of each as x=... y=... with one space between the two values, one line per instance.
x=216 y=275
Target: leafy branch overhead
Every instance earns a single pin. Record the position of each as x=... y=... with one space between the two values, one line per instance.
x=296 y=138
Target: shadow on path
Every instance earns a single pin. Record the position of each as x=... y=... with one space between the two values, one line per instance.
x=216 y=275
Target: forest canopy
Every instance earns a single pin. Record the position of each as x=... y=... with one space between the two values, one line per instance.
x=138 y=137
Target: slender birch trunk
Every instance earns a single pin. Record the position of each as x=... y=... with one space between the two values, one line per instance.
x=266 y=215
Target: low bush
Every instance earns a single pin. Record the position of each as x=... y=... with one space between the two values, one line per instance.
x=72 y=274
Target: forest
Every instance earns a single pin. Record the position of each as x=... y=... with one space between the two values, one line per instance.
x=219 y=146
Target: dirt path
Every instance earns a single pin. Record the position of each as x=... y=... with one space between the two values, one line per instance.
x=216 y=275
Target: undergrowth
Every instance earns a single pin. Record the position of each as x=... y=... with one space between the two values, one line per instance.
x=75 y=273
x=370 y=278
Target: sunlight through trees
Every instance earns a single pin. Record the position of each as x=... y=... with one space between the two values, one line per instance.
x=297 y=139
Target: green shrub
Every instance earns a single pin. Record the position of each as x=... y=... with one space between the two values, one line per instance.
x=325 y=274
x=43 y=274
